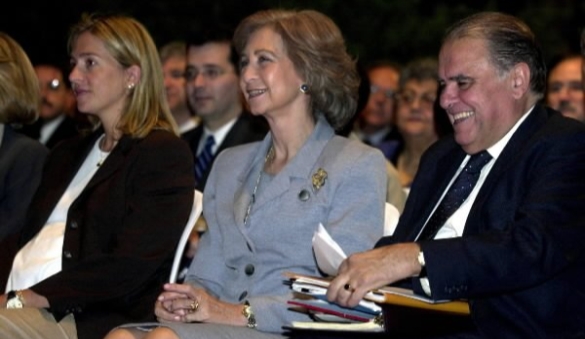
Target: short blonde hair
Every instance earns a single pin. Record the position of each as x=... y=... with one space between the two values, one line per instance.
x=129 y=42
x=317 y=50
x=20 y=96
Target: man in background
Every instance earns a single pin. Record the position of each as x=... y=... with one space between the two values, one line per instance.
x=375 y=123
x=214 y=93
x=565 y=87
x=173 y=57
x=57 y=114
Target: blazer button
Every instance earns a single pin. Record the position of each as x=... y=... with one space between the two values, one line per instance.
x=243 y=295
x=67 y=254
x=249 y=269
x=304 y=195
x=74 y=225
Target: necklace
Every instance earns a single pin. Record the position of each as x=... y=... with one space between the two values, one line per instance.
x=102 y=155
x=268 y=159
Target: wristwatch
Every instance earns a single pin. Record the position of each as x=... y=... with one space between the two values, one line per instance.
x=421 y=261
x=247 y=312
x=14 y=299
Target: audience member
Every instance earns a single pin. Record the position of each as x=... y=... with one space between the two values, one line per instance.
x=213 y=92
x=416 y=118
x=395 y=195
x=375 y=124
x=21 y=158
x=514 y=247
x=264 y=200
x=56 y=117
x=173 y=56
x=101 y=229
x=564 y=90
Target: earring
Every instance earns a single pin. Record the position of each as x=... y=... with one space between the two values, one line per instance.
x=304 y=88
x=131 y=85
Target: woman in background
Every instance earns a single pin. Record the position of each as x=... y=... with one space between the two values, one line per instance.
x=21 y=157
x=419 y=118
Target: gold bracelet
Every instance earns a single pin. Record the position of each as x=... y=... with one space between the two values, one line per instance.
x=247 y=312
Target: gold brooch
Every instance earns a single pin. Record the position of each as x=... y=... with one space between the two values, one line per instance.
x=319 y=178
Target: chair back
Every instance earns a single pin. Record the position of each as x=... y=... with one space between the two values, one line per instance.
x=195 y=213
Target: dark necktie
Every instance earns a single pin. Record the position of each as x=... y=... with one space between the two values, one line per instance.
x=456 y=195
x=204 y=158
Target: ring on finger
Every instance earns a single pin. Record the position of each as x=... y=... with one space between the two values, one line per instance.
x=194 y=306
x=348 y=287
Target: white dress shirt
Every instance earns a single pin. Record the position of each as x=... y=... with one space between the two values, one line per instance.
x=455 y=225
x=40 y=258
x=218 y=135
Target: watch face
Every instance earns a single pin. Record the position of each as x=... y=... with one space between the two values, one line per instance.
x=14 y=302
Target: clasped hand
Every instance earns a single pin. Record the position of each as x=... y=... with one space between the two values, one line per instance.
x=184 y=303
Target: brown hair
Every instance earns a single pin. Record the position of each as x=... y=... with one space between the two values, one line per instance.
x=317 y=50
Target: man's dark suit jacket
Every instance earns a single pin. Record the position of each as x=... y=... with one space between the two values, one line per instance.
x=521 y=259
x=67 y=129
x=247 y=128
x=121 y=231
x=21 y=163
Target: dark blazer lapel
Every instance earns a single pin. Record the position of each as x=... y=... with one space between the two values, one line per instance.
x=431 y=193
x=114 y=161
x=516 y=145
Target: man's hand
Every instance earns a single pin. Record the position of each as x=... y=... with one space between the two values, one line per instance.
x=366 y=271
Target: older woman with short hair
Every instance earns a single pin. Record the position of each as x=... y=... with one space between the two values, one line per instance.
x=263 y=201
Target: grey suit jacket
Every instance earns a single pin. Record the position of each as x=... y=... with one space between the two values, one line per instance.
x=237 y=262
x=21 y=163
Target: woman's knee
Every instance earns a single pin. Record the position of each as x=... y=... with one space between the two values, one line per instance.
x=124 y=333
x=161 y=333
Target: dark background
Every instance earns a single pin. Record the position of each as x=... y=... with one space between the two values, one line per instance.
x=393 y=29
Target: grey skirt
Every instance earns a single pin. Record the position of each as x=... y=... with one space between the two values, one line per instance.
x=206 y=331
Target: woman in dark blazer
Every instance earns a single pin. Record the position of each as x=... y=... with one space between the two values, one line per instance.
x=21 y=158
x=102 y=228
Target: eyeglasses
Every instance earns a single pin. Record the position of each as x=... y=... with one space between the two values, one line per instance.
x=208 y=73
x=426 y=100
x=388 y=93
x=53 y=85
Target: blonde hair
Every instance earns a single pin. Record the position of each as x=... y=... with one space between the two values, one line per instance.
x=129 y=42
x=317 y=50
x=20 y=95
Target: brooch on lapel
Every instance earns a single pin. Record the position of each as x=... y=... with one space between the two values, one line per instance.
x=319 y=178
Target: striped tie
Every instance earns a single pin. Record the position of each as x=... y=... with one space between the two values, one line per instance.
x=204 y=158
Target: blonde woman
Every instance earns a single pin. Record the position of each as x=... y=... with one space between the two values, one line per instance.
x=102 y=227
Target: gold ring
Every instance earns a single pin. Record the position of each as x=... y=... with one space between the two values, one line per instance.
x=348 y=287
x=194 y=306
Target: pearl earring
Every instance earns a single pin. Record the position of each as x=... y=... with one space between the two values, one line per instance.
x=131 y=85
x=304 y=88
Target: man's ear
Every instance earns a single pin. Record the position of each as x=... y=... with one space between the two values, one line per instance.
x=133 y=74
x=520 y=79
